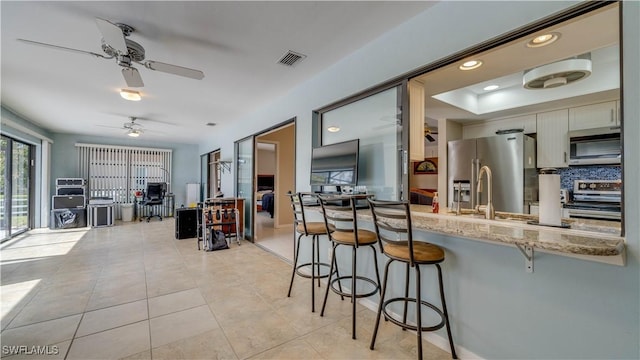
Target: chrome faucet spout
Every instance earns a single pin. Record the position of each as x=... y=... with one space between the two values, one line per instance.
x=489 y=211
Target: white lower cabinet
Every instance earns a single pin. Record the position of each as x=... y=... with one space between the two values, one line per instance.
x=553 y=139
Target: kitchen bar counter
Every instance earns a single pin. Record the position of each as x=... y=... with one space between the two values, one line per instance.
x=586 y=239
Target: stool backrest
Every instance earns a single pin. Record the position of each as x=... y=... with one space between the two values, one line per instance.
x=298 y=212
x=340 y=211
x=392 y=221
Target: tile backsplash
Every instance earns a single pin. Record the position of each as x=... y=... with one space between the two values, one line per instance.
x=569 y=174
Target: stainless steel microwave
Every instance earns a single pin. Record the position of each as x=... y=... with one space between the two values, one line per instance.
x=595 y=146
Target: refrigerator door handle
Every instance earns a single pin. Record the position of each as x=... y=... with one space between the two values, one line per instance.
x=473 y=183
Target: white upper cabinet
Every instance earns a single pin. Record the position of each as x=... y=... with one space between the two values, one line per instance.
x=489 y=128
x=553 y=139
x=594 y=116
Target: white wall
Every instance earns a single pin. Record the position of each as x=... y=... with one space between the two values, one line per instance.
x=266 y=162
x=567 y=308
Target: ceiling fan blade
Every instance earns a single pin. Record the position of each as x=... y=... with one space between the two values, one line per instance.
x=132 y=77
x=58 y=47
x=174 y=69
x=112 y=35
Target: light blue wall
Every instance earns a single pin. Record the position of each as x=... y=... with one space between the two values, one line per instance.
x=186 y=159
x=567 y=308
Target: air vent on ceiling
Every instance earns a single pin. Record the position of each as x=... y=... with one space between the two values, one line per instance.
x=211 y=124
x=291 y=58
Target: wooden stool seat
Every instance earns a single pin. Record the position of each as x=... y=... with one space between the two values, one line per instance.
x=423 y=252
x=314 y=228
x=365 y=237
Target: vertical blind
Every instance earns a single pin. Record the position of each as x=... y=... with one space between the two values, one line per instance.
x=118 y=172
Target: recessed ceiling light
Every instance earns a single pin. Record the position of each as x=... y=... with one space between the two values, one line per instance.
x=470 y=65
x=333 y=129
x=490 y=87
x=543 y=40
x=130 y=95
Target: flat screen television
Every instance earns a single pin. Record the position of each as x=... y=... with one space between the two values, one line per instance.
x=335 y=164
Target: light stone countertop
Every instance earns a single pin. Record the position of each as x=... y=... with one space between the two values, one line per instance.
x=585 y=237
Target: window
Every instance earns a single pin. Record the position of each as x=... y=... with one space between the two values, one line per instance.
x=118 y=172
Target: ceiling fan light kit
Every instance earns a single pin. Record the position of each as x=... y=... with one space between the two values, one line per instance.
x=134 y=132
x=130 y=95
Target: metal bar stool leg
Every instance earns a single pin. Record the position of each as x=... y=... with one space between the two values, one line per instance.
x=446 y=315
x=314 y=241
x=406 y=295
x=295 y=264
x=353 y=293
x=318 y=257
x=380 y=304
x=333 y=264
x=375 y=262
x=418 y=311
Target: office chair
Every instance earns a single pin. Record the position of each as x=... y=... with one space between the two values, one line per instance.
x=154 y=195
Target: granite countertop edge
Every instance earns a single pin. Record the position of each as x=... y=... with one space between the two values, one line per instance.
x=584 y=238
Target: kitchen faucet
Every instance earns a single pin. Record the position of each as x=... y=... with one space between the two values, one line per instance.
x=489 y=212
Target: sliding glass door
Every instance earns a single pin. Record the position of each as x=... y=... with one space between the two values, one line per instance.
x=15 y=187
x=244 y=181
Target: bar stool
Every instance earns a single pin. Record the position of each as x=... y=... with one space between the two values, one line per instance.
x=392 y=221
x=304 y=228
x=347 y=234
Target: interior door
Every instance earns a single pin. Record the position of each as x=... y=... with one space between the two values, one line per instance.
x=244 y=156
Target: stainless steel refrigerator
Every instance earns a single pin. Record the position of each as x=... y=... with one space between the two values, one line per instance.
x=512 y=160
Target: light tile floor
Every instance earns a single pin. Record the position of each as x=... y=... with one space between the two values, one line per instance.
x=132 y=291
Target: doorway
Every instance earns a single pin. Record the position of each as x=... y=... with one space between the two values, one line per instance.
x=275 y=177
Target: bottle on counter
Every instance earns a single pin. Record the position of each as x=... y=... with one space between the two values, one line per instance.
x=435 y=204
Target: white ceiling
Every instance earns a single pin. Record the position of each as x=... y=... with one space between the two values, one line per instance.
x=235 y=44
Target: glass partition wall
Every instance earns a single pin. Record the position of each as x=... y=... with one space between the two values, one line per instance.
x=376 y=120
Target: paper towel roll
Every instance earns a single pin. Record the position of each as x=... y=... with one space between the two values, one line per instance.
x=549 y=198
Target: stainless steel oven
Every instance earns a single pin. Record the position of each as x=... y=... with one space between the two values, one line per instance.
x=596 y=199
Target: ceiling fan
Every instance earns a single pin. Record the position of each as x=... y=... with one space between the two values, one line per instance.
x=132 y=128
x=116 y=46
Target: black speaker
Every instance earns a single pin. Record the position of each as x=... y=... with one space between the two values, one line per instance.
x=186 y=223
